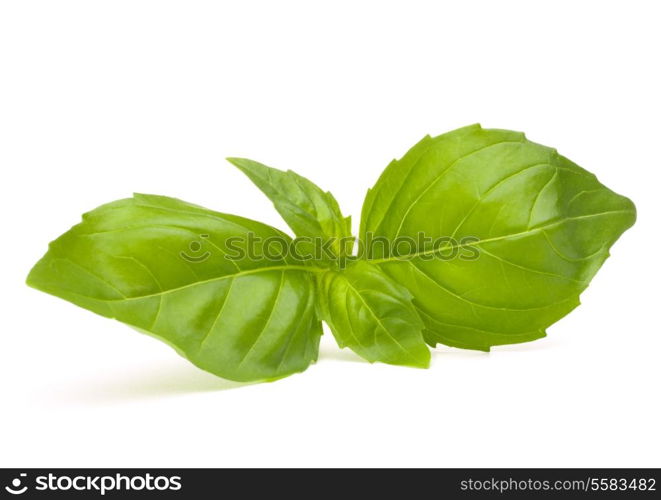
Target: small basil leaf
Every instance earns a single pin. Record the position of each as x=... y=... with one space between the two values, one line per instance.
x=523 y=231
x=309 y=211
x=372 y=315
x=163 y=266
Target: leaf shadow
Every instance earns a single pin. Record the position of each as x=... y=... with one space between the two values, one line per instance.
x=450 y=352
x=542 y=344
x=164 y=381
x=334 y=353
x=178 y=379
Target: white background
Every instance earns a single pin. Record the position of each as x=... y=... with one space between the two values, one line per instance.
x=100 y=99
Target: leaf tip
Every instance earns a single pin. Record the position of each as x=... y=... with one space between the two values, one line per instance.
x=236 y=161
x=29 y=279
x=425 y=362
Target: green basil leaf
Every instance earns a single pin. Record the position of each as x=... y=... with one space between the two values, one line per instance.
x=309 y=211
x=372 y=315
x=521 y=230
x=184 y=274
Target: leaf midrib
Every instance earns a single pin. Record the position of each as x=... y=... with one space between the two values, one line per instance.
x=527 y=232
x=247 y=272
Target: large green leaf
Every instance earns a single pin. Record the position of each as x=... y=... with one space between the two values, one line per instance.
x=540 y=227
x=371 y=314
x=161 y=265
x=308 y=210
